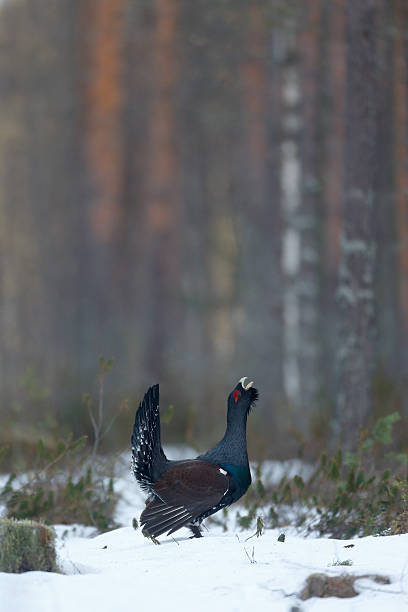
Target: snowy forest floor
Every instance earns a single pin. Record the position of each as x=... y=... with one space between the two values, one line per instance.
x=122 y=570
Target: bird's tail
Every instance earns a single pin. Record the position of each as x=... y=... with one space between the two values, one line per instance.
x=148 y=458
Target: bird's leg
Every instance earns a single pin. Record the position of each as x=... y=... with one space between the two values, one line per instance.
x=196 y=531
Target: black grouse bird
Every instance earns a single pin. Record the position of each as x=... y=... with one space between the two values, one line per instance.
x=184 y=493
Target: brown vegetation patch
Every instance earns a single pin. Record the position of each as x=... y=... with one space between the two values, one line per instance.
x=321 y=585
x=400 y=524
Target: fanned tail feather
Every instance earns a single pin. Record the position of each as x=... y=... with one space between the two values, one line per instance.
x=148 y=458
x=157 y=518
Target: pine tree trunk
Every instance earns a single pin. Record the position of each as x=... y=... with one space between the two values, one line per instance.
x=102 y=99
x=308 y=283
x=260 y=332
x=355 y=355
x=401 y=174
x=387 y=268
x=333 y=183
x=162 y=203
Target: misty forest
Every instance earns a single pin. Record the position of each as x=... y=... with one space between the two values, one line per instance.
x=192 y=192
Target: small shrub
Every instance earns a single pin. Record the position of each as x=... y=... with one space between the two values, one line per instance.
x=400 y=524
x=66 y=487
x=347 y=562
x=68 y=482
x=26 y=546
x=361 y=493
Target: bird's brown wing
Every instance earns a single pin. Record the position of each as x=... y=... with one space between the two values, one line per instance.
x=186 y=490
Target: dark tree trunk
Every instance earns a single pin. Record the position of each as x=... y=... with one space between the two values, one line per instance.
x=355 y=354
x=333 y=184
x=400 y=77
x=308 y=217
x=260 y=333
x=162 y=203
x=387 y=269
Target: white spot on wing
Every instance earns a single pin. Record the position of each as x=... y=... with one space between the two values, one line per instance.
x=223 y=471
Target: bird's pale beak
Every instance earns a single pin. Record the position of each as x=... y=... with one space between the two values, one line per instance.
x=248 y=386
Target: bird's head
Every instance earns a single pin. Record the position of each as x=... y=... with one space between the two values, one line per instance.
x=243 y=396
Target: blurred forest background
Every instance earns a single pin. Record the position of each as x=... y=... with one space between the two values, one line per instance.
x=204 y=190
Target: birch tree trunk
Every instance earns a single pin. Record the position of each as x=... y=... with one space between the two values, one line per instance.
x=290 y=177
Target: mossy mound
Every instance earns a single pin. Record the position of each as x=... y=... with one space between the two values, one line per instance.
x=26 y=546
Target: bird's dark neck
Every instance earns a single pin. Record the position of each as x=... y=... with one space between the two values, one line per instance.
x=236 y=429
x=232 y=449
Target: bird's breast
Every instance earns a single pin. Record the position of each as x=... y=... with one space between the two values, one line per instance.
x=241 y=475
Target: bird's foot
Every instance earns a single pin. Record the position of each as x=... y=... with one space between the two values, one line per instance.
x=196 y=531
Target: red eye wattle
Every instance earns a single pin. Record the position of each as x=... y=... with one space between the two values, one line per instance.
x=236 y=395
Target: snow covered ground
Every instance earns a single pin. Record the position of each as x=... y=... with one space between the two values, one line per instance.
x=122 y=570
